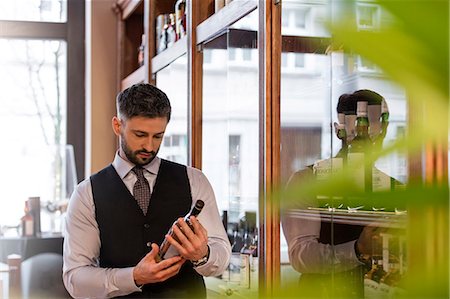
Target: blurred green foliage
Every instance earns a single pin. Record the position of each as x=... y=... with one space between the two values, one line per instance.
x=413 y=50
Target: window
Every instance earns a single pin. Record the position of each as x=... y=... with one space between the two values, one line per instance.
x=300 y=18
x=34 y=10
x=43 y=139
x=367 y=16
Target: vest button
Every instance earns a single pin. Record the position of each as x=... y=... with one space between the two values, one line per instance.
x=146 y=225
x=149 y=244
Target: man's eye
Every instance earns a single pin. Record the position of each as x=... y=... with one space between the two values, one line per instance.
x=157 y=137
x=139 y=135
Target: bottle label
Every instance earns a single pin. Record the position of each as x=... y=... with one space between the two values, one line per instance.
x=380 y=181
x=28 y=228
x=245 y=270
x=355 y=162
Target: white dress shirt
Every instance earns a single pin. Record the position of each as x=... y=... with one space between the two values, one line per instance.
x=82 y=275
x=302 y=234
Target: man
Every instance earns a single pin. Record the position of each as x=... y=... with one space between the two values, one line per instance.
x=117 y=218
x=333 y=257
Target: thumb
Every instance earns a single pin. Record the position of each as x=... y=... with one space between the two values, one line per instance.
x=153 y=253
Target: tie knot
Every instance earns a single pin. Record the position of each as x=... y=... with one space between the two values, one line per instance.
x=138 y=170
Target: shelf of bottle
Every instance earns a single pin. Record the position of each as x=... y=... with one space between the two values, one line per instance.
x=167 y=56
x=353 y=217
x=137 y=76
x=225 y=17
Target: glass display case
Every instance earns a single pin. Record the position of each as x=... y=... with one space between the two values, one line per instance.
x=230 y=146
x=321 y=127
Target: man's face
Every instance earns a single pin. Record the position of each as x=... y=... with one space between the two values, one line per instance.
x=140 y=137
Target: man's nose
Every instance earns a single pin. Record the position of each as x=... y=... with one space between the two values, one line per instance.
x=148 y=145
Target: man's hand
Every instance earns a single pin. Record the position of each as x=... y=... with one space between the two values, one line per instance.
x=191 y=244
x=148 y=270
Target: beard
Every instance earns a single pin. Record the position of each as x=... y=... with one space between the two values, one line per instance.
x=133 y=157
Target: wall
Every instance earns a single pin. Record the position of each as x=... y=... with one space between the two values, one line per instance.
x=101 y=78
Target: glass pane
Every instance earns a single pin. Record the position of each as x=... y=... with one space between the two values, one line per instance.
x=230 y=147
x=33 y=79
x=34 y=10
x=174 y=147
x=318 y=258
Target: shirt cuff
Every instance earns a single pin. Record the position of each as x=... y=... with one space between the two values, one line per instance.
x=345 y=253
x=125 y=281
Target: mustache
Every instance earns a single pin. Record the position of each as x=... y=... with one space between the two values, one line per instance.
x=146 y=152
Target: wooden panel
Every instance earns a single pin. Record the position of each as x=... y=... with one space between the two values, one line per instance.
x=223 y=19
x=164 y=58
x=134 y=28
x=131 y=6
x=76 y=91
x=195 y=77
x=269 y=44
x=137 y=76
x=25 y=30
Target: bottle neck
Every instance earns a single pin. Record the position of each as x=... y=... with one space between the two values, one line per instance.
x=362 y=127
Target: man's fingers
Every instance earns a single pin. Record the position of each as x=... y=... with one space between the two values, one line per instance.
x=153 y=253
x=167 y=263
x=185 y=228
x=171 y=271
x=198 y=228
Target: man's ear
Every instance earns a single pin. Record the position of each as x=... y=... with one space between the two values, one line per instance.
x=116 y=125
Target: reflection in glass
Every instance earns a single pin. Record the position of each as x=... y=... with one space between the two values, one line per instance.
x=33 y=80
x=173 y=81
x=231 y=141
x=319 y=229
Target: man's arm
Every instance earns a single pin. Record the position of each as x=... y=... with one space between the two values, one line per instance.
x=209 y=218
x=306 y=254
x=82 y=275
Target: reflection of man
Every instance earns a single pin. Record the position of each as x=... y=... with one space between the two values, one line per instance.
x=117 y=217
x=331 y=257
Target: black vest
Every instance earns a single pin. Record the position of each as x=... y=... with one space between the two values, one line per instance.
x=346 y=284
x=125 y=231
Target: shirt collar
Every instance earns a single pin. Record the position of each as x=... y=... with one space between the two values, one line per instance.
x=123 y=167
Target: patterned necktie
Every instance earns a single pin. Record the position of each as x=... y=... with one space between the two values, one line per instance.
x=141 y=189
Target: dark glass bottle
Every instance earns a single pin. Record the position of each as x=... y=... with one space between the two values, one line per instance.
x=357 y=157
x=196 y=209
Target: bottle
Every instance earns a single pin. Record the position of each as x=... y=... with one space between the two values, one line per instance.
x=180 y=18
x=359 y=147
x=161 y=27
x=246 y=261
x=27 y=222
x=165 y=245
x=170 y=31
x=141 y=51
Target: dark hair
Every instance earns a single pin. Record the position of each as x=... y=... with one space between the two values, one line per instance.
x=372 y=97
x=143 y=99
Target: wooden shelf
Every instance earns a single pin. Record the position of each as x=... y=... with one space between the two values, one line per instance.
x=164 y=58
x=135 y=77
x=225 y=17
x=130 y=6
x=359 y=217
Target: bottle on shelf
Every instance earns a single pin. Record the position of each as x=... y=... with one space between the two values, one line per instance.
x=160 y=31
x=180 y=18
x=171 y=31
x=246 y=256
x=27 y=222
x=141 y=50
